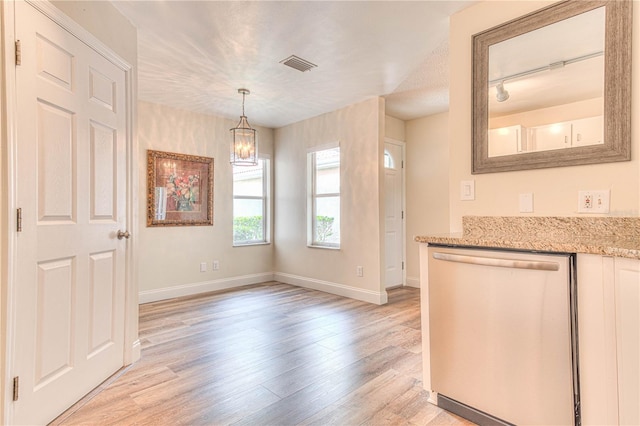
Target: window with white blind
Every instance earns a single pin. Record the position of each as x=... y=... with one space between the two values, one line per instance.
x=324 y=198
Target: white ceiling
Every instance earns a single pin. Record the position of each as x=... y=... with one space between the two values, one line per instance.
x=196 y=54
x=566 y=40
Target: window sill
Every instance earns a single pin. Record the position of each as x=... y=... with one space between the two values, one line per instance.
x=323 y=247
x=259 y=243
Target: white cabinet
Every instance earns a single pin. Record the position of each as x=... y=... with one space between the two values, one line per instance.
x=550 y=136
x=609 y=338
x=587 y=131
x=575 y=133
x=506 y=140
x=627 y=290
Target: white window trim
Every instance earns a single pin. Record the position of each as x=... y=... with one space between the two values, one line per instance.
x=311 y=196
x=266 y=209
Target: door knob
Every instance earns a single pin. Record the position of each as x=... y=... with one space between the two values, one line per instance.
x=124 y=234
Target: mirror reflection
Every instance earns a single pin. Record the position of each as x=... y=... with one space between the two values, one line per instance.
x=546 y=87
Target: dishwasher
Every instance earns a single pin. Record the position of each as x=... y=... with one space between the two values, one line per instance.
x=503 y=335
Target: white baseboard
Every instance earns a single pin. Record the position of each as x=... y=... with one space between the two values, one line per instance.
x=413 y=282
x=136 y=352
x=147 y=296
x=379 y=298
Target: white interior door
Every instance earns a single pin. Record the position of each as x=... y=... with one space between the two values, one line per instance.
x=69 y=297
x=393 y=219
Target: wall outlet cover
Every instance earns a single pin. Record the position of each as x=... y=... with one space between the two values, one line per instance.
x=594 y=201
x=467 y=190
x=526 y=202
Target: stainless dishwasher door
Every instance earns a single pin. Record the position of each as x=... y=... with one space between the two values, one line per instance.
x=500 y=333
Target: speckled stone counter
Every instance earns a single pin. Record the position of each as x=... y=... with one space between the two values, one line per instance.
x=607 y=236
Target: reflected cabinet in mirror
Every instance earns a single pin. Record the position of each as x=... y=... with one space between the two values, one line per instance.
x=553 y=88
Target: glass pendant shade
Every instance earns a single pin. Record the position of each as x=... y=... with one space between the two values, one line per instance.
x=244 y=140
x=244 y=144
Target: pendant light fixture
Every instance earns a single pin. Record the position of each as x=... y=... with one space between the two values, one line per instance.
x=244 y=140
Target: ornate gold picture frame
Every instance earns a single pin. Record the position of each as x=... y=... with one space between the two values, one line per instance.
x=179 y=189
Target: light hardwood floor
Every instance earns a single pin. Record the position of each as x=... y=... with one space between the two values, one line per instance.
x=270 y=354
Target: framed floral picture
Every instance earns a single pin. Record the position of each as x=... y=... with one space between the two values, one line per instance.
x=179 y=189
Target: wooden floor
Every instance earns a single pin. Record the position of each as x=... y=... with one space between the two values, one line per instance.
x=270 y=354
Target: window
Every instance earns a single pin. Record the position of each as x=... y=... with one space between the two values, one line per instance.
x=388 y=161
x=324 y=198
x=251 y=204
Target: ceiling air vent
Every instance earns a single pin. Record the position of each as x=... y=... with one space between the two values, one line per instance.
x=298 y=63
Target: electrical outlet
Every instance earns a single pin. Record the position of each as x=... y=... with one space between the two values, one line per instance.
x=203 y=267
x=360 y=271
x=593 y=201
x=215 y=265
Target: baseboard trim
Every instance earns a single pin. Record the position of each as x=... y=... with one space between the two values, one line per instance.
x=147 y=296
x=413 y=282
x=136 y=352
x=379 y=298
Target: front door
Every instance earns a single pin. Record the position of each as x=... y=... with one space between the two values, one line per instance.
x=394 y=216
x=69 y=297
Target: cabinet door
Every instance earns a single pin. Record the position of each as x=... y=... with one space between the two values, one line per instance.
x=588 y=131
x=627 y=285
x=552 y=136
x=597 y=340
x=505 y=141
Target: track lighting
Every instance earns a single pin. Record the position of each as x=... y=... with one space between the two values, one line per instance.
x=501 y=94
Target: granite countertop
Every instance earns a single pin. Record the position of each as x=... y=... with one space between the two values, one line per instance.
x=607 y=236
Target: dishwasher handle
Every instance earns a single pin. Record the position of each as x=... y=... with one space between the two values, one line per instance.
x=495 y=261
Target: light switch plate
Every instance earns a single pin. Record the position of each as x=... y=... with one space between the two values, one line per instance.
x=467 y=190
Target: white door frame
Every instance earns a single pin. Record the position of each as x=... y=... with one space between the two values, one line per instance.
x=8 y=203
x=403 y=145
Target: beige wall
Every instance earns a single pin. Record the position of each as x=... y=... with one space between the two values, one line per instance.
x=555 y=190
x=106 y=23
x=359 y=129
x=550 y=115
x=394 y=128
x=427 y=173
x=169 y=257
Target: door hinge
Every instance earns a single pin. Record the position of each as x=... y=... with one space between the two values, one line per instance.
x=402 y=164
x=403 y=266
x=16 y=387
x=402 y=215
x=19 y=219
x=18 y=53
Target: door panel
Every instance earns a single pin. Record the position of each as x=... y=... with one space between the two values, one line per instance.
x=55 y=163
x=102 y=294
x=103 y=162
x=70 y=267
x=55 y=64
x=54 y=332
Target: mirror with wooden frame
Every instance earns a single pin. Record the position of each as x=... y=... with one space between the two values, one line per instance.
x=553 y=88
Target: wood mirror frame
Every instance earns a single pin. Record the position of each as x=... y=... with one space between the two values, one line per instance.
x=617 y=90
